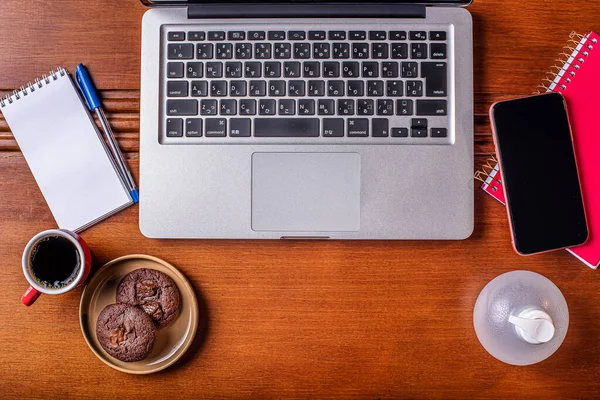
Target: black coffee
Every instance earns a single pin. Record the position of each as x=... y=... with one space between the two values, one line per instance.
x=55 y=262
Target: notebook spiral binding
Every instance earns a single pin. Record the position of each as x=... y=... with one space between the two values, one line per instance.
x=484 y=173
x=572 y=54
x=31 y=86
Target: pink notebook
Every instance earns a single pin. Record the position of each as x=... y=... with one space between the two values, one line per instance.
x=578 y=79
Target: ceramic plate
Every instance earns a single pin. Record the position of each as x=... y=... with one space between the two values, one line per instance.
x=171 y=342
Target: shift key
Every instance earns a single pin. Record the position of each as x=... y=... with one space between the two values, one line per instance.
x=182 y=107
x=432 y=107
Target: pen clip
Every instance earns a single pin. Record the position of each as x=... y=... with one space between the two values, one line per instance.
x=86 y=87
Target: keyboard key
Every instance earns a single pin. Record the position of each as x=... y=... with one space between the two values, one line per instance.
x=180 y=51
x=175 y=70
x=236 y=35
x=398 y=35
x=252 y=69
x=432 y=107
x=409 y=69
x=282 y=50
x=365 y=107
x=333 y=127
x=239 y=127
x=193 y=127
x=204 y=51
x=389 y=69
x=358 y=127
x=266 y=107
x=306 y=107
x=331 y=69
x=379 y=51
x=256 y=35
x=177 y=89
x=360 y=50
x=414 y=88
x=296 y=35
x=277 y=88
x=439 y=132
x=208 y=107
x=214 y=69
x=214 y=35
x=243 y=51
x=194 y=69
x=436 y=78
x=377 y=35
x=258 y=88
x=199 y=88
x=337 y=35
x=301 y=50
x=224 y=50
x=357 y=35
x=399 y=51
x=287 y=107
x=262 y=51
x=237 y=88
x=321 y=50
x=380 y=127
x=335 y=88
x=326 y=107
x=350 y=69
x=291 y=69
x=385 y=107
x=174 y=127
x=370 y=69
x=316 y=88
x=418 y=51
x=356 y=88
x=418 y=132
x=418 y=35
x=438 y=51
x=218 y=88
x=418 y=123
x=394 y=89
x=196 y=36
x=296 y=88
x=374 y=88
x=182 y=107
x=399 y=132
x=272 y=69
x=286 y=127
x=233 y=69
x=437 y=35
x=311 y=69
x=341 y=50
x=247 y=107
x=176 y=36
x=345 y=107
x=404 y=107
x=316 y=35
x=215 y=127
x=276 y=35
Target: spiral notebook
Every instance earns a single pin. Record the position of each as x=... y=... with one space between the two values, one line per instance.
x=65 y=151
x=575 y=74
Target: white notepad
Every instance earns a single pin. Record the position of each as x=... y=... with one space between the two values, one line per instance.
x=65 y=151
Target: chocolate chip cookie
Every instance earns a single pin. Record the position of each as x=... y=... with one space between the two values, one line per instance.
x=152 y=291
x=125 y=332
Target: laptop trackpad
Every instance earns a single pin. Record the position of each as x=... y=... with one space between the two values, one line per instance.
x=305 y=192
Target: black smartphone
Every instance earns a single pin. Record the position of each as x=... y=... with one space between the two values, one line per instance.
x=539 y=173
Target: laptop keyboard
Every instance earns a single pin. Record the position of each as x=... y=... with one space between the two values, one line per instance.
x=306 y=85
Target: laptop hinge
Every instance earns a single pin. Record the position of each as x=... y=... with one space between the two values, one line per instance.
x=295 y=10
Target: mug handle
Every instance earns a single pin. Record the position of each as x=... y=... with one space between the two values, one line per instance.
x=30 y=296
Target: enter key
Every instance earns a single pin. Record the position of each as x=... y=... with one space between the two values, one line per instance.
x=436 y=78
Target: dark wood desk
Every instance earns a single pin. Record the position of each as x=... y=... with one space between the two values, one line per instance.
x=289 y=319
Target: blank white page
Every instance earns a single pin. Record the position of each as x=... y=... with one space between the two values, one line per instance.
x=66 y=153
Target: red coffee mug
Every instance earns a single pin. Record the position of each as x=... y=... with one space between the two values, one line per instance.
x=85 y=265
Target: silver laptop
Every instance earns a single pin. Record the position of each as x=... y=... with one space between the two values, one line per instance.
x=306 y=119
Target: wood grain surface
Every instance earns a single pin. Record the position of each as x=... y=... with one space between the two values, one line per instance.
x=293 y=319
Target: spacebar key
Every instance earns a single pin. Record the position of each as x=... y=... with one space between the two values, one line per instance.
x=286 y=127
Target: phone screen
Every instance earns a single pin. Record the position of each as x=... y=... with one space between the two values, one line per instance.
x=539 y=173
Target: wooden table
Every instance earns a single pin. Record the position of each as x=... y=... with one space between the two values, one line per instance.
x=286 y=319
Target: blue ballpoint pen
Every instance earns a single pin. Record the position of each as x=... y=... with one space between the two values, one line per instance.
x=86 y=86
